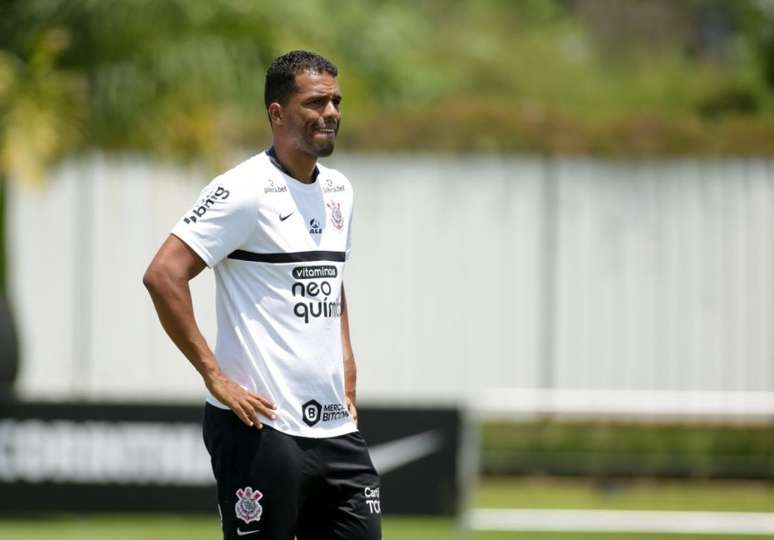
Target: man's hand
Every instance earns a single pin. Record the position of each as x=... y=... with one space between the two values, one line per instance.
x=350 y=369
x=246 y=405
x=352 y=409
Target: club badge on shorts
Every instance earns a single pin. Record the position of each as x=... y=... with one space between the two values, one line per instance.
x=336 y=218
x=247 y=507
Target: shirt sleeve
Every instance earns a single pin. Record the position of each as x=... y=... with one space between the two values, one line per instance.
x=220 y=222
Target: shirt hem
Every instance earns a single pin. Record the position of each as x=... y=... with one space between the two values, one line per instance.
x=344 y=429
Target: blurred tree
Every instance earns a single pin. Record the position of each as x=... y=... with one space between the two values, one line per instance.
x=760 y=25
x=162 y=77
x=183 y=79
x=705 y=29
x=767 y=59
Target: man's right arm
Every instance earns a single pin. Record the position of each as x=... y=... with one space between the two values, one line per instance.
x=167 y=279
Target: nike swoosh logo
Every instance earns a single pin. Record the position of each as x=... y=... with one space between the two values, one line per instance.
x=240 y=532
x=283 y=218
x=394 y=454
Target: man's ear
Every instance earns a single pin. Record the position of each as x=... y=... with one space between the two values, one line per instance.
x=276 y=114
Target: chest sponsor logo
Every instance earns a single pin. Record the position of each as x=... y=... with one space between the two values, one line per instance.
x=313 y=413
x=272 y=187
x=314 y=227
x=315 y=300
x=215 y=196
x=336 y=218
x=332 y=187
x=315 y=272
x=312 y=292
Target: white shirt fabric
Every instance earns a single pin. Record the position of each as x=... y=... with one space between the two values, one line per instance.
x=277 y=247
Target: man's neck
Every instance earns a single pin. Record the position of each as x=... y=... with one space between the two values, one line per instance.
x=298 y=165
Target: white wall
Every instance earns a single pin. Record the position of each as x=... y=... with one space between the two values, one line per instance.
x=468 y=273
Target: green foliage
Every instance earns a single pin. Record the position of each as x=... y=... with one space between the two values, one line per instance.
x=612 y=450
x=160 y=77
x=39 y=108
x=184 y=79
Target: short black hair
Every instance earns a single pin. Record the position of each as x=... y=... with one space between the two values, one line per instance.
x=281 y=75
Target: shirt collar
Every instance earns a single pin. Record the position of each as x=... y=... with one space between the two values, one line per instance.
x=277 y=163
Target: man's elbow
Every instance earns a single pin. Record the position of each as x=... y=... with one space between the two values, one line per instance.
x=153 y=278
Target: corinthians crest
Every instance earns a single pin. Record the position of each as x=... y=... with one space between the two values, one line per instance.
x=247 y=507
x=336 y=218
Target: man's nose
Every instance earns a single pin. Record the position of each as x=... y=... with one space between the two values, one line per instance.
x=331 y=112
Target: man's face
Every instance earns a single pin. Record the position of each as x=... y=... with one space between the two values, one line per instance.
x=312 y=113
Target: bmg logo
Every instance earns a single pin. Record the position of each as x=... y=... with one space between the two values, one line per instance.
x=219 y=194
x=310 y=412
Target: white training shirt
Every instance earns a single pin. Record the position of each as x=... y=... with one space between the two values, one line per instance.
x=278 y=247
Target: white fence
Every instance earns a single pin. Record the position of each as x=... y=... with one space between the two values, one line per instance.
x=469 y=275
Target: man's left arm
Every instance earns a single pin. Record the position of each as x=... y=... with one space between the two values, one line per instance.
x=350 y=369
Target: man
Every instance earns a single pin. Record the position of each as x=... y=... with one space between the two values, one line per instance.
x=280 y=418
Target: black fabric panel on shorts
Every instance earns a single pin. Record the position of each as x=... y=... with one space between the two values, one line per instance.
x=264 y=460
x=311 y=489
x=348 y=506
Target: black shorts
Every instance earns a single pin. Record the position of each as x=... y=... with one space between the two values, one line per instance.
x=276 y=486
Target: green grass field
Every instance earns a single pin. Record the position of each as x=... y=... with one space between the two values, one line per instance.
x=505 y=493
x=719 y=496
x=205 y=528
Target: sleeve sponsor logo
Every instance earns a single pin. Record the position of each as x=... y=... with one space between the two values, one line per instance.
x=218 y=194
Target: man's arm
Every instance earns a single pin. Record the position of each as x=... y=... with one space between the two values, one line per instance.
x=167 y=279
x=350 y=369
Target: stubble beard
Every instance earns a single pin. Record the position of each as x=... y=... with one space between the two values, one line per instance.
x=320 y=150
x=325 y=150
